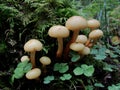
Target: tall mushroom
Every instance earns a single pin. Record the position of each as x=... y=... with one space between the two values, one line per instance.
x=93 y=36
x=93 y=24
x=32 y=46
x=59 y=32
x=75 y=24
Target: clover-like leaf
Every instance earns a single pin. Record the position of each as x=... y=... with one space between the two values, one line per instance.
x=89 y=71
x=22 y=64
x=99 y=85
x=75 y=58
x=66 y=77
x=61 y=67
x=48 y=79
x=18 y=73
x=27 y=68
x=78 y=71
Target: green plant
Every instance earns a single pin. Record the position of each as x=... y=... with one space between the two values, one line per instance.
x=61 y=67
x=114 y=87
x=21 y=69
x=85 y=70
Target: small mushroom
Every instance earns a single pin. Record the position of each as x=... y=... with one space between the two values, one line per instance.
x=81 y=39
x=85 y=51
x=24 y=58
x=77 y=47
x=59 y=32
x=32 y=46
x=33 y=74
x=93 y=36
x=45 y=61
x=93 y=24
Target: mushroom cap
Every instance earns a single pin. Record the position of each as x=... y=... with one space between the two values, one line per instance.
x=95 y=34
x=85 y=51
x=33 y=45
x=58 y=31
x=33 y=74
x=24 y=58
x=45 y=60
x=81 y=39
x=76 y=23
x=77 y=46
x=93 y=23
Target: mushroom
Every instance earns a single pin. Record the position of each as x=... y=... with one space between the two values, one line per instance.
x=32 y=46
x=85 y=51
x=33 y=74
x=45 y=61
x=93 y=24
x=24 y=58
x=93 y=36
x=76 y=46
x=74 y=23
x=59 y=32
x=81 y=39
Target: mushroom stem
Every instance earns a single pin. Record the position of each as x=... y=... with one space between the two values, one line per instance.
x=32 y=58
x=67 y=49
x=60 y=47
x=88 y=42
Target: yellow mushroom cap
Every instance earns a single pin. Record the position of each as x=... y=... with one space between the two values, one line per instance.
x=93 y=23
x=95 y=34
x=24 y=58
x=81 y=39
x=33 y=45
x=85 y=51
x=76 y=23
x=58 y=31
x=45 y=60
x=77 y=46
x=33 y=74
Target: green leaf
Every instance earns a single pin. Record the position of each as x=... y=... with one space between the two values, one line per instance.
x=22 y=64
x=113 y=87
x=18 y=70
x=84 y=66
x=89 y=87
x=75 y=58
x=66 y=77
x=100 y=57
x=61 y=67
x=27 y=68
x=48 y=79
x=89 y=71
x=108 y=68
x=78 y=71
x=94 y=51
x=99 y=85
x=18 y=73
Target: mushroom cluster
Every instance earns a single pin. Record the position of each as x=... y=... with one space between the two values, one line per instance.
x=78 y=43
x=31 y=46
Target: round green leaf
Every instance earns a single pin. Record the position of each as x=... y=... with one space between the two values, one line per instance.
x=78 y=71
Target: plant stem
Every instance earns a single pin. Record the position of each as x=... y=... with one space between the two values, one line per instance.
x=60 y=47
x=32 y=58
x=67 y=49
